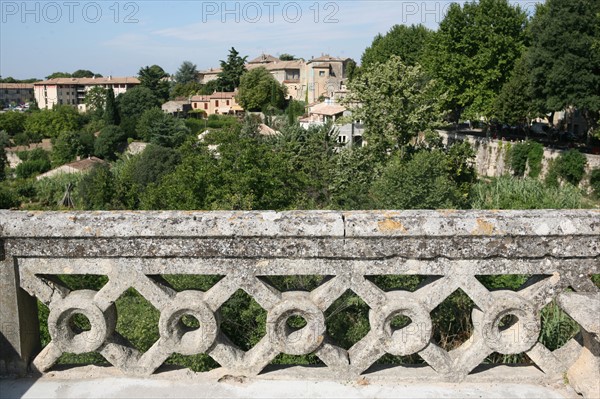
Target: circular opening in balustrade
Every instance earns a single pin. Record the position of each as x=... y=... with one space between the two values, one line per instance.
x=295 y=322
x=79 y=323
x=189 y=322
x=507 y=321
x=398 y=321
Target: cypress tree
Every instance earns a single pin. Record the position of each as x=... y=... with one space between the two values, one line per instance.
x=111 y=114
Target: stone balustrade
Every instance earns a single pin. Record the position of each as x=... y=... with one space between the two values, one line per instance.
x=558 y=250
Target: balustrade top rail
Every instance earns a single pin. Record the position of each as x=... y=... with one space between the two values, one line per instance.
x=559 y=251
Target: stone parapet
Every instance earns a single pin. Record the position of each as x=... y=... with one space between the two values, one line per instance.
x=559 y=251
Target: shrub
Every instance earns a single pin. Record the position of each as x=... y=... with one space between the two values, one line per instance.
x=32 y=167
x=526 y=154
x=571 y=166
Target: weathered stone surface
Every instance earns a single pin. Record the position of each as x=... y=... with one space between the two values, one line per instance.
x=558 y=249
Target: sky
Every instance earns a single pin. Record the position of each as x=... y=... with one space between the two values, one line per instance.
x=117 y=38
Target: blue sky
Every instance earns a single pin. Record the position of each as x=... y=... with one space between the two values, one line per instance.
x=118 y=37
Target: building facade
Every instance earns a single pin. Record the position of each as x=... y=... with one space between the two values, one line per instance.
x=15 y=93
x=72 y=91
x=218 y=103
x=305 y=80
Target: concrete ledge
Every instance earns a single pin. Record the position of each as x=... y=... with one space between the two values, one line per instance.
x=300 y=224
x=93 y=382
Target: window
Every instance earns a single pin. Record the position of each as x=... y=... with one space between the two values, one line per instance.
x=195 y=105
x=227 y=103
x=60 y=101
x=216 y=103
x=205 y=105
x=321 y=73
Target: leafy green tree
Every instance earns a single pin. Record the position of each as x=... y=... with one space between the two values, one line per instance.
x=108 y=142
x=132 y=104
x=95 y=100
x=111 y=112
x=185 y=89
x=50 y=123
x=12 y=122
x=565 y=70
x=258 y=89
x=407 y=42
x=308 y=156
x=474 y=51
x=287 y=57
x=154 y=78
x=85 y=73
x=187 y=73
x=68 y=145
x=157 y=127
x=514 y=103
x=135 y=174
x=96 y=188
x=231 y=71
x=397 y=102
x=55 y=75
x=420 y=182
x=351 y=69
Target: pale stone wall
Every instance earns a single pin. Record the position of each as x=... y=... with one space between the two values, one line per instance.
x=491 y=155
x=560 y=250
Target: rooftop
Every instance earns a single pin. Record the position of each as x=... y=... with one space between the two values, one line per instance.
x=89 y=81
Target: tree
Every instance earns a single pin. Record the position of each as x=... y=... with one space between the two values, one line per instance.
x=96 y=189
x=156 y=127
x=258 y=88
x=55 y=75
x=154 y=78
x=514 y=103
x=85 y=73
x=187 y=73
x=420 y=182
x=108 y=142
x=12 y=122
x=565 y=71
x=186 y=90
x=95 y=100
x=111 y=112
x=287 y=57
x=50 y=123
x=132 y=105
x=397 y=102
x=231 y=71
x=351 y=69
x=407 y=42
x=69 y=145
x=473 y=53
x=135 y=174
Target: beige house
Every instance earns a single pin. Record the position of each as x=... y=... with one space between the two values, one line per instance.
x=218 y=103
x=177 y=107
x=72 y=91
x=208 y=75
x=79 y=166
x=18 y=93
